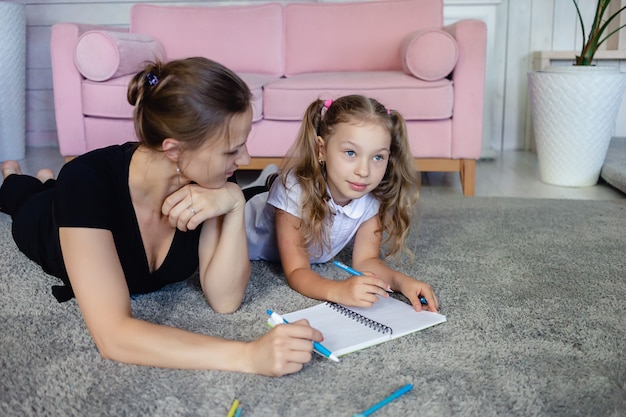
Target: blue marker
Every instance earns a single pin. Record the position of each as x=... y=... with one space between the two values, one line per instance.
x=319 y=348
x=353 y=271
x=393 y=396
x=346 y=268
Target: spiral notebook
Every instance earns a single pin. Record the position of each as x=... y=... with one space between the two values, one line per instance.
x=348 y=329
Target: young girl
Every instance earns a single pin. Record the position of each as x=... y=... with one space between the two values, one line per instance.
x=132 y=218
x=349 y=175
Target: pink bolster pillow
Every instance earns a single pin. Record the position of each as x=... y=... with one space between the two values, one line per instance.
x=429 y=54
x=101 y=55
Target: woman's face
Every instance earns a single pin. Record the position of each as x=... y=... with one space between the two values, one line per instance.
x=212 y=164
x=356 y=157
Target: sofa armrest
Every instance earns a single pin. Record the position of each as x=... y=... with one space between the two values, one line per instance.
x=469 y=81
x=66 y=84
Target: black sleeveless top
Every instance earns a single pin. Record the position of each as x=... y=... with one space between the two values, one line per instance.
x=92 y=191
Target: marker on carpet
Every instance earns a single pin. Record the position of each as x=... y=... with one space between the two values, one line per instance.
x=378 y=405
x=233 y=408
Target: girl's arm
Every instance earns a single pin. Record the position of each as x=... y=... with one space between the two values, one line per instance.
x=102 y=294
x=355 y=291
x=366 y=258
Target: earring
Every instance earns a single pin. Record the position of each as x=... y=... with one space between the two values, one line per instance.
x=320 y=159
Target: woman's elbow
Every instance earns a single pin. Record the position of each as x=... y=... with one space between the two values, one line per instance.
x=108 y=350
x=225 y=304
x=113 y=345
x=225 y=307
x=107 y=354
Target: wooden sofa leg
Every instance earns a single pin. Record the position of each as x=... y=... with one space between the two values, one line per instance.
x=468 y=176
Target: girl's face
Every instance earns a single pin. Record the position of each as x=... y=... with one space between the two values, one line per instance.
x=356 y=158
x=211 y=165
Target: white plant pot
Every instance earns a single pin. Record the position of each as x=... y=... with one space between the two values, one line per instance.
x=574 y=109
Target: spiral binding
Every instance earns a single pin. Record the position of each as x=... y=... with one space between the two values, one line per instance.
x=372 y=324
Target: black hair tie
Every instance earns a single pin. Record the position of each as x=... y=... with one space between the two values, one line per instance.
x=152 y=79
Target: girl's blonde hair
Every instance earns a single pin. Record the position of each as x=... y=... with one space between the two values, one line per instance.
x=397 y=192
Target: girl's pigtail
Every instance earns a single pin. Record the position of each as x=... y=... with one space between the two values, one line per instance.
x=307 y=138
x=303 y=163
x=400 y=191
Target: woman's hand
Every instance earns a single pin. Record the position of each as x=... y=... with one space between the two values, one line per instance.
x=284 y=349
x=191 y=205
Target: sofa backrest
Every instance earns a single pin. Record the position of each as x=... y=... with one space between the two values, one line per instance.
x=243 y=38
x=290 y=39
x=362 y=36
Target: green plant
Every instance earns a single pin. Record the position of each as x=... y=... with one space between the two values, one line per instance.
x=598 y=28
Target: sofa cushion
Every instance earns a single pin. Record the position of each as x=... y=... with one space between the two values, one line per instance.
x=101 y=54
x=288 y=98
x=348 y=36
x=256 y=82
x=429 y=54
x=244 y=38
x=108 y=98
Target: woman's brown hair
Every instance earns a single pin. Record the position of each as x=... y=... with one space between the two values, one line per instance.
x=191 y=100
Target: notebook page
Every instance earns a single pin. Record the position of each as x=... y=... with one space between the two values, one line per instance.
x=342 y=334
x=400 y=316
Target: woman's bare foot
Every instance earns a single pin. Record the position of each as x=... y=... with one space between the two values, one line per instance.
x=10 y=167
x=45 y=174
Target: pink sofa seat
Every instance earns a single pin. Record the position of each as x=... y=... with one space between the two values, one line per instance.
x=397 y=51
x=284 y=99
x=108 y=98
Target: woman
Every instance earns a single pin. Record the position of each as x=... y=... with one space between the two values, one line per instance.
x=132 y=218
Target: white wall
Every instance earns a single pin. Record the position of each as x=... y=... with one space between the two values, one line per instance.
x=516 y=29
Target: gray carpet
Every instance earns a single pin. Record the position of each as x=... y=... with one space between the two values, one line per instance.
x=534 y=292
x=614 y=168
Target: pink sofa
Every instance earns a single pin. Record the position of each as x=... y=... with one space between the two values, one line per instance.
x=397 y=51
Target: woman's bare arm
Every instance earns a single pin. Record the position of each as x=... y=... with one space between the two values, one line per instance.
x=223 y=251
x=102 y=294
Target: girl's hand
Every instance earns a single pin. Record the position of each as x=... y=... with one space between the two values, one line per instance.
x=360 y=291
x=192 y=204
x=284 y=349
x=414 y=289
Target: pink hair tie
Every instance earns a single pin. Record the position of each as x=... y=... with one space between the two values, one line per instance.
x=327 y=104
